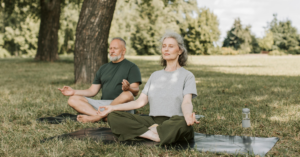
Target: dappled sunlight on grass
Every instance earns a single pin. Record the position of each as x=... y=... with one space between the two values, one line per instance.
x=285 y=113
x=260 y=98
x=247 y=64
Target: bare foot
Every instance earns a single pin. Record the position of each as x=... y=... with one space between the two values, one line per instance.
x=154 y=125
x=153 y=128
x=86 y=119
x=151 y=136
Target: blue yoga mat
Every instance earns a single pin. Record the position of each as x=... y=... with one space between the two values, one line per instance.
x=202 y=142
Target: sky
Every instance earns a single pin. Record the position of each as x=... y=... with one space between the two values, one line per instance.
x=256 y=13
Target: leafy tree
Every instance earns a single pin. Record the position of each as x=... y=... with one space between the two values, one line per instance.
x=18 y=28
x=202 y=32
x=284 y=34
x=124 y=21
x=68 y=22
x=48 y=11
x=267 y=41
x=239 y=38
x=255 y=45
x=232 y=39
x=155 y=18
x=19 y=40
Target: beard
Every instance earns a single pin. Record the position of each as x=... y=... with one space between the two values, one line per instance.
x=115 y=58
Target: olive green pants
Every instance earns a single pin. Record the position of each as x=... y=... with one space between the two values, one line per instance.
x=128 y=126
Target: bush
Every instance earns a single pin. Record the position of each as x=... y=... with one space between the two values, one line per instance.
x=276 y=53
x=228 y=51
x=294 y=50
x=214 y=51
x=4 y=53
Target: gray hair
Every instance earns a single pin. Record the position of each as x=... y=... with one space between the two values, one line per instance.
x=184 y=55
x=121 y=39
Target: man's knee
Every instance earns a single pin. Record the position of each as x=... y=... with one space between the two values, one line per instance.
x=127 y=96
x=74 y=100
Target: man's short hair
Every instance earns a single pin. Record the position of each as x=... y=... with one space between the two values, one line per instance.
x=121 y=39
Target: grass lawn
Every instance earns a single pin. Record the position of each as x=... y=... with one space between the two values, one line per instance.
x=268 y=85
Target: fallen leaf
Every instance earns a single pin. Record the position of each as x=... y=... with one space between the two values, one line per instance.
x=81 y=154
x=278 y=133
x=203 y=108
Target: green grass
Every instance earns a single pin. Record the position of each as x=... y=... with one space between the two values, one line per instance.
x=269 y=86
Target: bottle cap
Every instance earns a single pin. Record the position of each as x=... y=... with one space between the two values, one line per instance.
x=246 y=110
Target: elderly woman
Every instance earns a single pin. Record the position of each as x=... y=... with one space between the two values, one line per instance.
x=169 y=92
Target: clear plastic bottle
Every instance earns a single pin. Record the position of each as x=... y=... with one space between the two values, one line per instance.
x=246 y=118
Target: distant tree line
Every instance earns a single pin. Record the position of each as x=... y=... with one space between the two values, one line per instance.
x=141 y=23
x=279 y=36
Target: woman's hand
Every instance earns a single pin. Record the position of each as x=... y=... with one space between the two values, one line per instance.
x=67 y=91
x=107 y=109
x=190 y=119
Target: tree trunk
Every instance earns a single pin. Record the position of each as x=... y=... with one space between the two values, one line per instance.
x=91 y=38
x=48 y=33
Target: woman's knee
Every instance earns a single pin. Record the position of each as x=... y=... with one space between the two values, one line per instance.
x=179 y=122
x=112 y=116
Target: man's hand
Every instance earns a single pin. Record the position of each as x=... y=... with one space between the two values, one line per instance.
x=125 y=85
x=107 y=109
x=67 y=91
x=190 y=119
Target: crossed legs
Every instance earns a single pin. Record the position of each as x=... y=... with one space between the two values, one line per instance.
x=81 y=105
x=165 y=130
x=151 y=134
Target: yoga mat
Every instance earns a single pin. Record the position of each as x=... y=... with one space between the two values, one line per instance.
x=64 y=116
x=202 y=142
x=58 y=119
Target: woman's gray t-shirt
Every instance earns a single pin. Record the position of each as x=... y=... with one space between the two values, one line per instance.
x=165 y=91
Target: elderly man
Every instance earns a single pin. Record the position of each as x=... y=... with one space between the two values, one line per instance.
x=119 y=80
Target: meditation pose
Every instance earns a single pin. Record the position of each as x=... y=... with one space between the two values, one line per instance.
x=169 y=92
x=119 y=80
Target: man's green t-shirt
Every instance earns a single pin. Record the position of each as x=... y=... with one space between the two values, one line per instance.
x=111 y=75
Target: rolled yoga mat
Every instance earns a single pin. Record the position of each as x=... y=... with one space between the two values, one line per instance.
x=202 y=142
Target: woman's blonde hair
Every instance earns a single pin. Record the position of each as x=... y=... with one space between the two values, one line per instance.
x=183 y=56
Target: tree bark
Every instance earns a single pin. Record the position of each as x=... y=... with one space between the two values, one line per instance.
x=48 y=33
x=91 y=38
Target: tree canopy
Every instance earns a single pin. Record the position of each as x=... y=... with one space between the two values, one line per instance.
x=285 y=35
x=141 y=23
x=239 y=37
x=201 y=32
